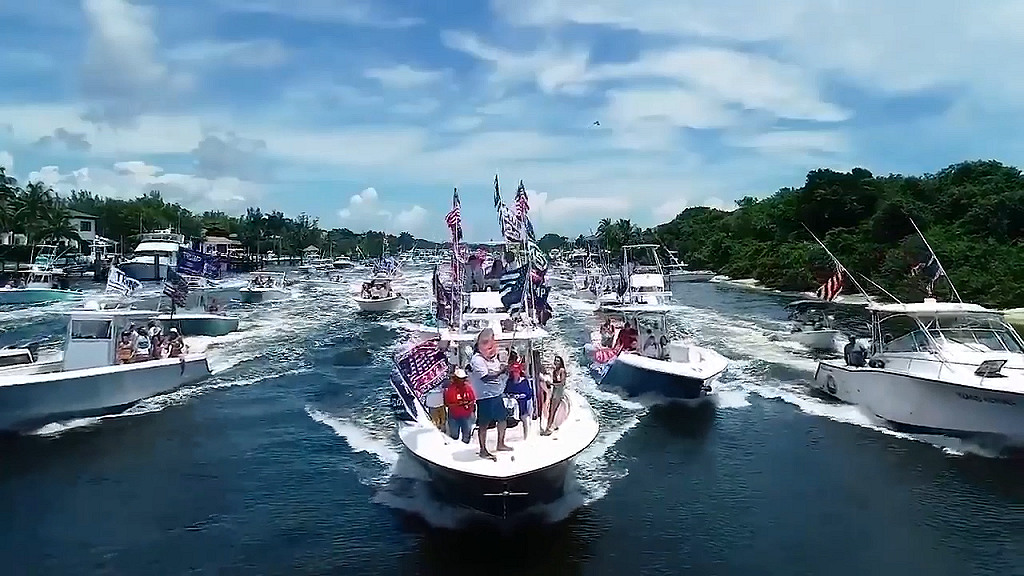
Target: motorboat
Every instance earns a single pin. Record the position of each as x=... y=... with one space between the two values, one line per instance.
x=156 y=253
x=812 y=326
x=670 y=368
x=343 y=262
x=264 y=287
x=534 y=473
x=377 y=295
x=679 y=272
x=41 y=284
x=643 y=280
x=87 y=380
x=952 y=368
x=332 y=279
x=201 y=315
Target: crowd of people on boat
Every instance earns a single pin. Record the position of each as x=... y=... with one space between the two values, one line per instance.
x=262 y=282
x=142 y=343
x=376 y=291
x=489 y=392
x=628 y=339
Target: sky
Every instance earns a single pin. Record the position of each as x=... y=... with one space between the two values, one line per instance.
x=365 y=114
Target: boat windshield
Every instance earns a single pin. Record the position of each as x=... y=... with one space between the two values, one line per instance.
x=976 y=333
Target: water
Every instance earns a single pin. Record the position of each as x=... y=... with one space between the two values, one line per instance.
x=284 y=462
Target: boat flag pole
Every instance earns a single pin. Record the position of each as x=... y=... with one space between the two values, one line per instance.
x=884 y=291
x=942 y=269
x=838 y=263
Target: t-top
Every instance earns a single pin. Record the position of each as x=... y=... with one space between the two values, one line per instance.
x=484 y=377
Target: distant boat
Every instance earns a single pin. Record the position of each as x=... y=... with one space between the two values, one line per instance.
x=343 y=262
x=156 y=253
x=87 y=380
x=264 y=286
x=40 y=285
x=811 y=325
x=379 y=296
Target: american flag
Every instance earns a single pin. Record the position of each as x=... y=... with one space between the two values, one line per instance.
x=176 y=288
x=424 y=366
x=832 y=287
x=454 y=218
x=522 y=202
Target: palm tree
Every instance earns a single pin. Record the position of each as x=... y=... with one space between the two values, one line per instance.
x=56 y=225
x=31 y=209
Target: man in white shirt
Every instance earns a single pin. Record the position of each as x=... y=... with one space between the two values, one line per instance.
x=487 y=376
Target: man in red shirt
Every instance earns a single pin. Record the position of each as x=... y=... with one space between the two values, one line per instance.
x=460 y=400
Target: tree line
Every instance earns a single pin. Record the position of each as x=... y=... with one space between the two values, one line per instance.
x=971 y=213
x=42 y=215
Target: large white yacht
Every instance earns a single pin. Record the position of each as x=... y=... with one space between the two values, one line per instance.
x=952 y=368
x=156 y=253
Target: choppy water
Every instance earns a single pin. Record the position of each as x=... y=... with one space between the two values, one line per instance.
x=285 y=462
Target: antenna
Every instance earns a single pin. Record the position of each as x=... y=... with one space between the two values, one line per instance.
x=942 y=268
x=838 y=263
x=886 y=292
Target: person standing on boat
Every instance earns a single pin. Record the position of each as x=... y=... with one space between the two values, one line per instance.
x=520 y=389
x=488 y=381
x=558 y=378
x=460 y=400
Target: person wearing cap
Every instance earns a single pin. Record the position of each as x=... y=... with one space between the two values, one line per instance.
x=520 y=389
x=460 y=401
x=175 y=345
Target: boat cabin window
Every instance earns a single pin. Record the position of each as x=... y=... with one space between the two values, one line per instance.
x=18 y=359
x=90 y=329
x=986 y=333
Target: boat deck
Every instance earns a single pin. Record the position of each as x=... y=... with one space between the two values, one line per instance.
x=577 y=430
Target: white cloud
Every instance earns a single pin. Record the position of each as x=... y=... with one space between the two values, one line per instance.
x=553 y=69
x=549 y=210
x=676 y=107
x=366 y=211
x=134 y=178
x=262 y=53
x=403 y=76
x=788 y=143
x=355 y=12
x=122 y=75
x=7 y=161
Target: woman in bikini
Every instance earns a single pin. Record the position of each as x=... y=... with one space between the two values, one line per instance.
x=558 y=377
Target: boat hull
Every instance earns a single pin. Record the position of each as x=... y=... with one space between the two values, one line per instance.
x=145 y=271
x=28 y=402
x=815 y=339
x=638 y=376
x=253 y=296
x=498 y=497
x=36 y=295
x=381 y=305
x=923 y=405
x=690 y=277
x=192 y=324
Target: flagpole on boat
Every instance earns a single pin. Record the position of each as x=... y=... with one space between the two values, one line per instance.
x=838 y=263
x=942 y=269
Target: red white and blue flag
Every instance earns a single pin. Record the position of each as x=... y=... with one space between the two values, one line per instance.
x=454 y=218
x=423 y=366
x=832 y=287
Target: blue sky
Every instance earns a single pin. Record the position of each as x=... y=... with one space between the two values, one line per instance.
x=365 y=114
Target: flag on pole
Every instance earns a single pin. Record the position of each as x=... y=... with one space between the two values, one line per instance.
x=832 y=287
x=454 y=218
x=121 y=283
x=513 y=287
x=176 y=288
x=931 y=270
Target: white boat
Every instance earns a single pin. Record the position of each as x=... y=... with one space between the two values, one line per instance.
x=672 y=369
x=812 y=326
x=87 y=380
x=677 y=271
x=535 y=471
x=40 y=285
x=645 y=280
x=156 y=253
x=377 y=295
x=343 y=262
x=264 y=287
x=954 y=368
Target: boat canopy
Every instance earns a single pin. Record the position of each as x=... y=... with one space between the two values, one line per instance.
x=931 y=307
x=485 y=301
